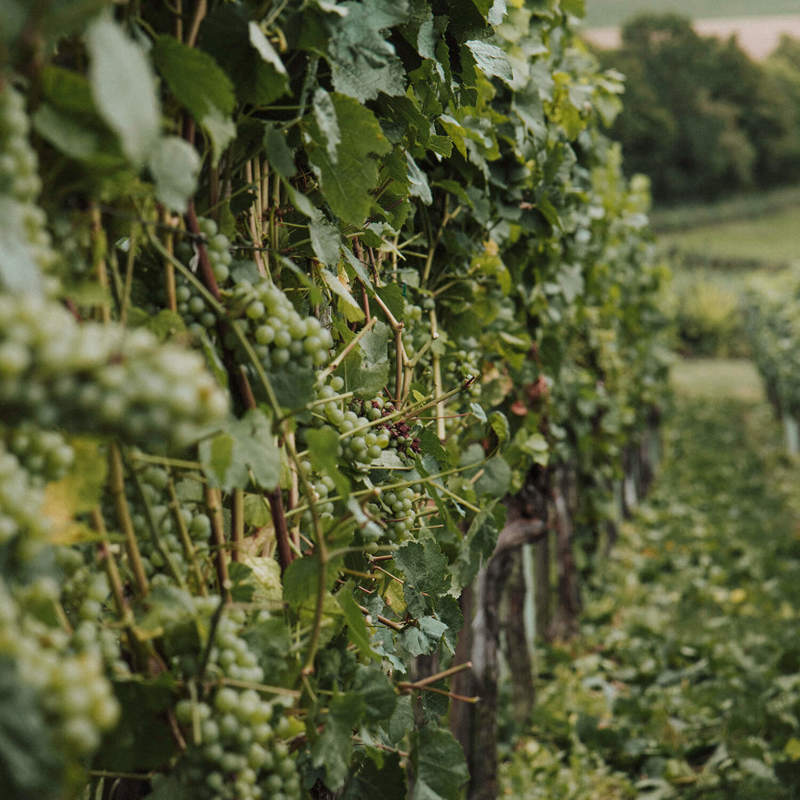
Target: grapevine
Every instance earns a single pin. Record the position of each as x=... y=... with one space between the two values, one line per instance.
x=284 y=330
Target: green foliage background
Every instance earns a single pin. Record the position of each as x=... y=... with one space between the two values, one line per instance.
x=701 y=118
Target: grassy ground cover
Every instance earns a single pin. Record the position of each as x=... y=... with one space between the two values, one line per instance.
x=685 y=682
x=614 y=12
x=770 y=239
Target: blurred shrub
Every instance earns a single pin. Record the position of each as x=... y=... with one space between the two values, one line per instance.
x=701 y=118
x=706 y=310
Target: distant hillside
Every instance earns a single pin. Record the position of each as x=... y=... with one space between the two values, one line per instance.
x=601 y=13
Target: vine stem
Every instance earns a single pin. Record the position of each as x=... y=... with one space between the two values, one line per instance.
x=213 y=295
x=396 y=626
x=214 y=505
x=169 y=269
x=117 y=486
x=334 y=365
x=186 y=540
x=237 y=524
x=199 y=15
x=438 y=676
x=112 y=571
x=99 y=249
x=278 y=512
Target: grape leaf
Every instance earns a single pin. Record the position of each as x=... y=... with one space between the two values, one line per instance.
x=363 y=63
x=335 y=745
x=491 y=60
x=200 y=85
x=495 y=479
x=354 y=620
x=69 y=135
x=378 y=692
x=387 y=781
x=175 y=165
x=438 y=764
x=246 y=445
x=323 y=450
x=347 y=180
x=418 y=181
x=366 y=368
x=325 y=241
x=246 y=55
x=424 y=565
x=279 y=154
x=325 y=116
x=123 y=87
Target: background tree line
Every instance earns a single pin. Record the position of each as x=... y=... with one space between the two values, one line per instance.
x=701 y=118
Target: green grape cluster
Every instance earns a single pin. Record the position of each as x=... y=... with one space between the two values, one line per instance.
x=462 y=364
x=66 y=671
x=396 y=511
x=20 y=501
x=174 y=535
x=19 y=180
x=100 y=379
x=84 y=591
x=192 y=306
x=45 y=455
x=238 y=749
x=281 y=337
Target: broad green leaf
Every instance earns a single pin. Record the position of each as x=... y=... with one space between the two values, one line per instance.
x=200 y=86
x=170 y=788
x=432 y=448
x=327 y=123
x=378 y=692
x=386 y=781
x=300 y=580
x=495 y=480
x=123 y=88
x=194 y=77
x=354 y=620
x=359 y=269
x=334 y=747
x=247 y=445
x=438 y=764
x=363 y=63
x=242 y=50
x=264 y=48
x=278 y=152
x=491 y=60
x=418 y=181
x=67 y=90
x=19 y=271
x=352 y=310
x=323 y=450
x=294 y=388
x=366 y=368
x=66 y=133
x=478 y=543
x=325 y=241
x=424 y=565
x=175 y=166
x=347 y=180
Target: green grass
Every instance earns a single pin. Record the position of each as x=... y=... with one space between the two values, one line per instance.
x=771 y=239
x=615 y=12
x=684 y=682
x=734 y=378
